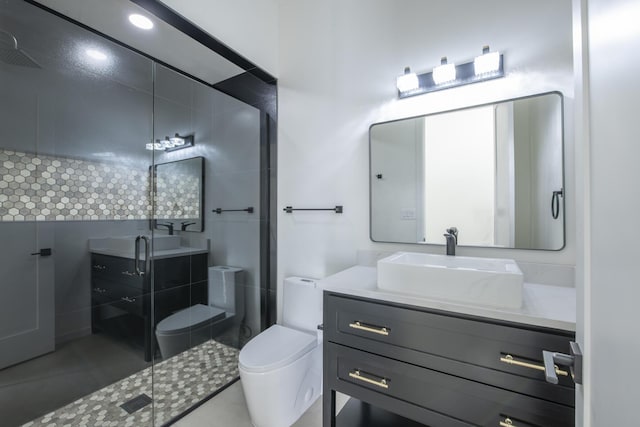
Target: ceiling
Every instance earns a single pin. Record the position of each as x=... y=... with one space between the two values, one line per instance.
x=162 y=42
x=77 y=106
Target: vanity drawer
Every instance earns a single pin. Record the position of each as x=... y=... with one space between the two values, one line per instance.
x=121 y=270
x=386 y=329
x=122 y=296
x=131 y=301
x=360 y=373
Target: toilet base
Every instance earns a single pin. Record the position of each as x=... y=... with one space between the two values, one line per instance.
x=278 y=398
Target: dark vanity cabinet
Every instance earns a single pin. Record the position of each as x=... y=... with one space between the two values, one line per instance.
x=411 y=366
x=122 y=302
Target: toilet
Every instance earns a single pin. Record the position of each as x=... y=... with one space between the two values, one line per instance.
x=281 y=368
x=199 y=323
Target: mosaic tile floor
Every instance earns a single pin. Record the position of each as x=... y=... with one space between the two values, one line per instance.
x=178 y=383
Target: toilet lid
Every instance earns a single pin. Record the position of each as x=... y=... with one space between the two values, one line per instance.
x=276 y=347
x=188 y=318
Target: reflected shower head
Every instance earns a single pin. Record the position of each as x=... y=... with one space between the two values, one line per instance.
x=10 y=54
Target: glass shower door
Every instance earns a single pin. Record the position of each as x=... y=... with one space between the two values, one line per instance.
x=76 y=118
x=207 y=300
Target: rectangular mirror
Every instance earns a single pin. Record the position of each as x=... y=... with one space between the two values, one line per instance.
x=494 y=171
x=179 y=195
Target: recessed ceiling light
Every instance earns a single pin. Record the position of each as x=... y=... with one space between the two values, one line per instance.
x=141 y=21
x=96 y=54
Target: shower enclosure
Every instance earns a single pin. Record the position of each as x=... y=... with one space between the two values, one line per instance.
x=136 y=176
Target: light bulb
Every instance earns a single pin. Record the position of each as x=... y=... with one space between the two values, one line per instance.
x=486 y=63
x=408 y=81
x=445 y=72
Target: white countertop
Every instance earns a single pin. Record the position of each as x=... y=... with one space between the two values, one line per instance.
x=543 y=305
x=169 y=253
x=123 y=247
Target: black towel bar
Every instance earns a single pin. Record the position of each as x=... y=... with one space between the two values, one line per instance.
x=337 y=209
x=219 y=210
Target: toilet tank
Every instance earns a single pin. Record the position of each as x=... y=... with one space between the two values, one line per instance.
x=226 y=289
x=302 y=304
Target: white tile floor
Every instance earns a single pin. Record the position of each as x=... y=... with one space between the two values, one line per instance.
x=229 y=408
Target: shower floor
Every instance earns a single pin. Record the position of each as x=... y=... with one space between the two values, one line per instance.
x=178 y=384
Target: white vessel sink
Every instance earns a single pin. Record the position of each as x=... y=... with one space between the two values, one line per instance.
x=491 y=282
x=126 y=243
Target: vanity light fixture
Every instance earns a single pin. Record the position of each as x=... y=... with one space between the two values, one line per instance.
x=489 y=65
x=176 y=142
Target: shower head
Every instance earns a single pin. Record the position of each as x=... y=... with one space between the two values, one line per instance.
x=10 y=54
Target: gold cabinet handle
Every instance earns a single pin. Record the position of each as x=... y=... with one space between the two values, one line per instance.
x=383 y=382
x=380 y=330
x=507 y=423
x=511 y=361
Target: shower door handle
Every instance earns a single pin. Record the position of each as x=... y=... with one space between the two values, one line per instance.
x=43 y=252
x=147 y=257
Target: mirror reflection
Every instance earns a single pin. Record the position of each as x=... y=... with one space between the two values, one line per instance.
x=178 y=195
x=495 y=172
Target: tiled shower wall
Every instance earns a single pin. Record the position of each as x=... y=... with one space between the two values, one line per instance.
x=177 y=195
x=47 y=188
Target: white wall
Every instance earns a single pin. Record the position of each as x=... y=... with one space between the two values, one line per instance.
x=395 y=155
x=610 y=267
x=538 y=171
x=337 y=67
x=459 y=176
x=247 y=26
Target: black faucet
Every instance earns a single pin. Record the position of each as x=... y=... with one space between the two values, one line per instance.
x=184 y=225
x=169 y=226
x=452 y=240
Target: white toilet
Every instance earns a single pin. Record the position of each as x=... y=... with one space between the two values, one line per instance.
x=281 y=368
x=199 y=323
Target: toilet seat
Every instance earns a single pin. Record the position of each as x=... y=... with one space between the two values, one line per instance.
x=193 y=317
x=276 y=347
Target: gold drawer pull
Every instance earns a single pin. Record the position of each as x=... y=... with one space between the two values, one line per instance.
x=511 y=361
x=383 y=383
x=370 y=328
x=507 y=423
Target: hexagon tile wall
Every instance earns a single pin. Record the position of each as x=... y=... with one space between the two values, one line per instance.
x=45 y=188
x=178 y=196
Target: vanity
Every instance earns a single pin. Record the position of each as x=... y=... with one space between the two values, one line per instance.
x=438 y=340
x=123 y=301
x=417 y=361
